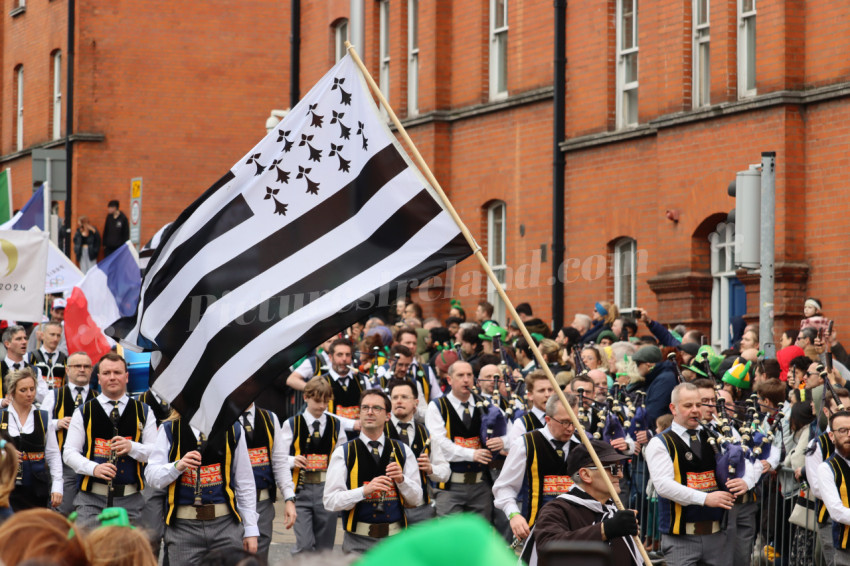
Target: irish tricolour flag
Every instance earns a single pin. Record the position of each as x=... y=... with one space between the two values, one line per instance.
x=108 y=292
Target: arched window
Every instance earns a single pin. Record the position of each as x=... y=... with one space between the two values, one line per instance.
x=728 y=296
x=412 y=57
x=57 y=94
x=340 y=37
x=496 y=256
x=384 y=47
x=625 y=270
x=19 y=107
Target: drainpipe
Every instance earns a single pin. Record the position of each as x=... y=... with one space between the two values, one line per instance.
x=295 y=54
x=559 y=164
x=69 y=128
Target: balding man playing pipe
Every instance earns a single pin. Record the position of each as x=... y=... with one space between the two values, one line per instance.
x=691 y=505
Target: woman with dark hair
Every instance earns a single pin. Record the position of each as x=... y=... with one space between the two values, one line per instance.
x=791 y=475
x=789 y=337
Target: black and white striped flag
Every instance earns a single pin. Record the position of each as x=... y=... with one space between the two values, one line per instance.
x=323 y=221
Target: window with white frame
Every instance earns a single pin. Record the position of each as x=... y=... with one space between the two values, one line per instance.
x=746 y=48
x=701 y=53
x=722 y=245
x=627 y=63
x=19 y=108
x=412 y=57
x=498 y=49
x=340 y=37
x=384 y=47
x=57 y=95
x=496 y=256
x=625 y=270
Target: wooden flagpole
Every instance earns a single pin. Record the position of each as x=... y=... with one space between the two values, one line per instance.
x=426 y=171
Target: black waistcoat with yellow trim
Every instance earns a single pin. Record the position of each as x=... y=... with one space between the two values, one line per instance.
x=217 y=472
x=691 y=471
x=841 y=473
x=545 y=475
x=31 y=451
x=64 y=403
x=98 y=439
x=531 y=421
x=421 y=444
x=6 y=370
x=53 y=372
x=161 y=409
x=826 y=447
x=362 y=469
x=317 y=451
x=459 y=434
x=346 y=400
x=260 y=447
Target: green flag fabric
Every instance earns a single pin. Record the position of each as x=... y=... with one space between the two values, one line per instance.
x=5 y=196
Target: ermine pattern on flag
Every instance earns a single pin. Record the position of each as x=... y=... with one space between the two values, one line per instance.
x=321 y=222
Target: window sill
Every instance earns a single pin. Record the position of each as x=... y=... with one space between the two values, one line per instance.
x=17 y=11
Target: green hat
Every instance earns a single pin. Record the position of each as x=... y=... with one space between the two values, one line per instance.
x=707 y=352
x=457 y=539
x=606 y=334
x=696 y=370
x=492 y=329
x=538 y=338
x=739 y=374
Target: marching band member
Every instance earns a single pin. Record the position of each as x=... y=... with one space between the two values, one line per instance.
x=833 y=478
x=539 y=390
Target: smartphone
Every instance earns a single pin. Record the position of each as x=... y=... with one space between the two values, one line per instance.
x=571 y=553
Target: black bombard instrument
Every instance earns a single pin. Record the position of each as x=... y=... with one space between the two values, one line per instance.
x=202 y=444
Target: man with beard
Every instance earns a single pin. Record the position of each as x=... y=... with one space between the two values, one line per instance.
x=833 y=477
x=345 y=386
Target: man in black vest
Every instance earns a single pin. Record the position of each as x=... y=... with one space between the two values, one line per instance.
x=15 y=341
x=261 y=428
x=455 y=425
x=401 y=426
x=690 y=503
x=49 y=360
x=61 y=404
x=372 y=479
x=833 y=479
x=306 y=444
x=109 y=440
x=535 y=470
x=155 y=499
x=345 y=385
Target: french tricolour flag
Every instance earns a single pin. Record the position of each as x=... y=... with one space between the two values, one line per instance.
x=108 y=292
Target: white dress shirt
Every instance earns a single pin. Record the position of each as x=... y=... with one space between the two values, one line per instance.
x=282 y=473
x=441 y=471
x=50 y=400
x=829 y=493
x=437 y=427
x=306 y=370
x=813 y=462
x=338 y=497
x=41 y=387
x=776 y=446
x=161 y=472
x=73 y=452
x=51 y=451
x=517 y=428
x=660 y=465
x=507 y=486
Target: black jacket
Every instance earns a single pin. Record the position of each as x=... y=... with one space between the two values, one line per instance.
x=92 y=241
x=116 y=231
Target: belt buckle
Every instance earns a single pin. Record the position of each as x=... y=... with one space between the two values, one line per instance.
x=379 y=530
x=702 y=528
x=205 y=512
x=469 y=477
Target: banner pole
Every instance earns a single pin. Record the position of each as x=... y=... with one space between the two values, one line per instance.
x=541 y=362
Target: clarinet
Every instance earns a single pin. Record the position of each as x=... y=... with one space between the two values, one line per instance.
x=198 y=493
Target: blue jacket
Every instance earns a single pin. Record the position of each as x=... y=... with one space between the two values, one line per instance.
x=595 y=330
x=662 y=334
x=658 y=384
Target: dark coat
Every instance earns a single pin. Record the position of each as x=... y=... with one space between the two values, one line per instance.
x=116 y=231
x=658 y=384
x=561 y=520
x=92 y=241
x=595 y=330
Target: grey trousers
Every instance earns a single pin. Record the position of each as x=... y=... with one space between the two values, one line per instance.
x=357 y=543
x=477 y=498
x=265 y=522
x=315 y=526
x=153 y=515
x=420 y=514
x=741 y=533
x=69 y=489
x=88 y=506
x=827 y=546
x=842 y=557
x=695 y=550
x=188 y=541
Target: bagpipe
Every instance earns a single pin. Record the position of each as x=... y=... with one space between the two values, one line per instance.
x=621 y=414
x=494 y=422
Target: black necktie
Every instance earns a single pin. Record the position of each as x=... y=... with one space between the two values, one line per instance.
x=375 y=453
x=114 y=415
x=316 y=426
x=16 y=365
x=49 y=357
x=467 y=416
x=403 y=432
x=78 y=400
x=249 y=430
x=696 y=445
x=343 y=382
x=559 y=447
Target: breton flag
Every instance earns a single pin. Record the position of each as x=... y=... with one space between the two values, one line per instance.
x=320 y=223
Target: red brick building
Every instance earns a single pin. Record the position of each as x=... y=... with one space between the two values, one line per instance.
x=665 y=102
